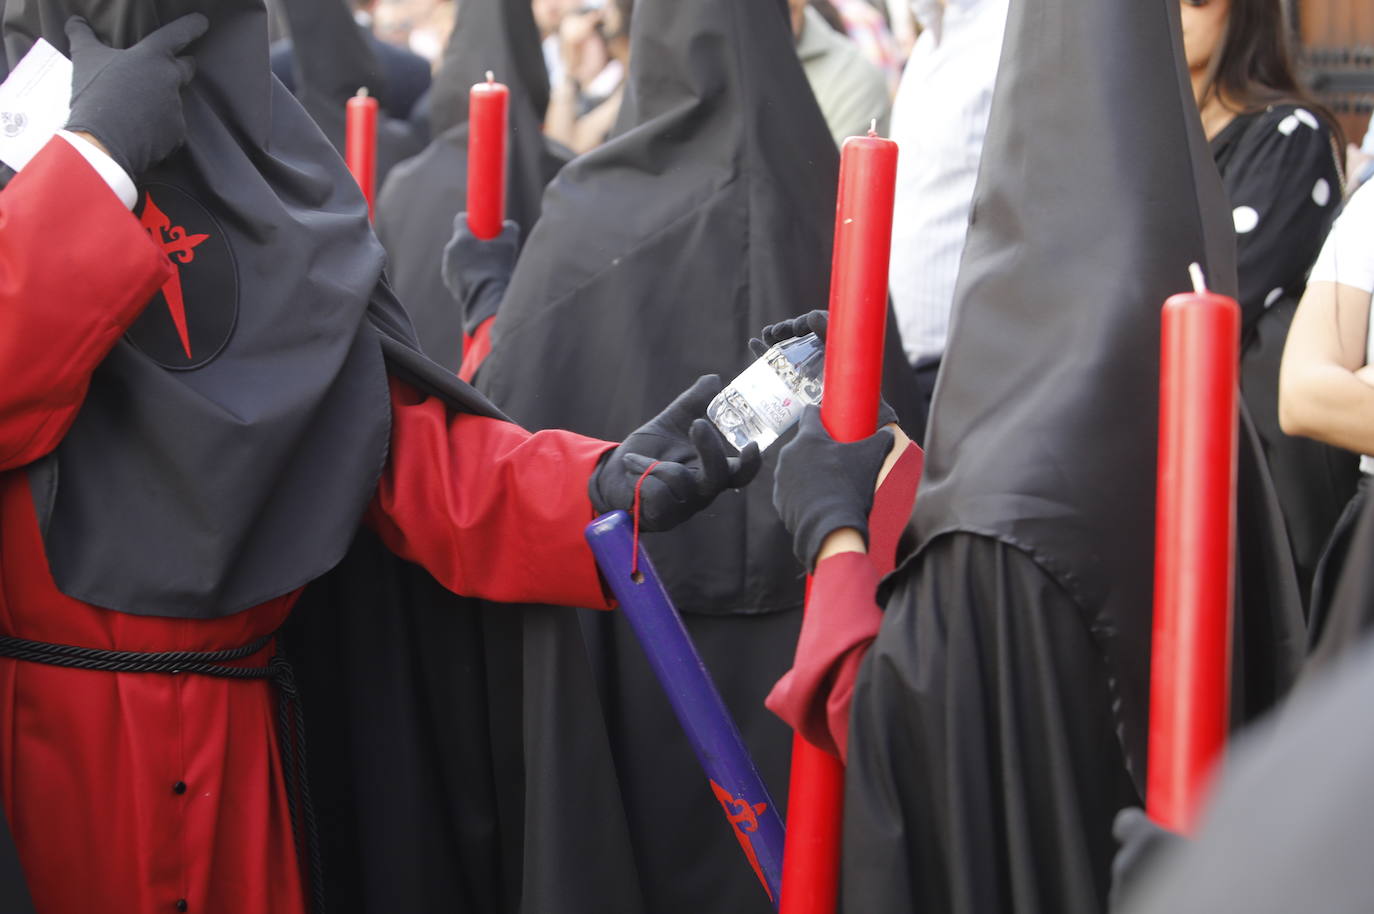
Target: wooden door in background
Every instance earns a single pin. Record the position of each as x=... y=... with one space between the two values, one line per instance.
x=1337 y=38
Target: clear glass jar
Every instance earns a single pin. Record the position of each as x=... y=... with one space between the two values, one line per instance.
x=768 y=397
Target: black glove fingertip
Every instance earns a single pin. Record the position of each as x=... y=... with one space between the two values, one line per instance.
x=173 y=37
x=78 y=29
x=819 y=323
x=692 y=402
x=186 y=66
x=748 y=464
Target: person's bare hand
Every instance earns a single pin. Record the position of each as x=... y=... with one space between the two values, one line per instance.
x=574 y=32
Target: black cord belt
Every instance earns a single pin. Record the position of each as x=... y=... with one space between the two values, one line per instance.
x=290 y=721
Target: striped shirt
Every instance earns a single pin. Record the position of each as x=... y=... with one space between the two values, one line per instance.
x=939 y=120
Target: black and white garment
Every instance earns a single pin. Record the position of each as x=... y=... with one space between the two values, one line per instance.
x=1281 y=175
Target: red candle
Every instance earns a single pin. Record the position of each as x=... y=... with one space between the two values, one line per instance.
x=853 y=381
x=360 y=143
x=1195 y=550
x=487 y=104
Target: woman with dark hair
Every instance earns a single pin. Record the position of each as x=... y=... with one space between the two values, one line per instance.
x=1277 y=151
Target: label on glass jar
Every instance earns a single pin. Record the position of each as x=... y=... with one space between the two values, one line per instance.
x=757 y=406
x=772 y=399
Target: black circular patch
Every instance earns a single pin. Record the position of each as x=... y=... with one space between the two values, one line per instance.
x=191 y=319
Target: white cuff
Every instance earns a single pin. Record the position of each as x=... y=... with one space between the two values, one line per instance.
x=106 y=167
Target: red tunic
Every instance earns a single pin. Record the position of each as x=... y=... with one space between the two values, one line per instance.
x=132 y=793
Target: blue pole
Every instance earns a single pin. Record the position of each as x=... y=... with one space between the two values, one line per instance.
x=699 y=708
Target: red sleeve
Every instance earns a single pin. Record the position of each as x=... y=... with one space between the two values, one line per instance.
x=842 y=619
x=76 y=269
x=489 y=509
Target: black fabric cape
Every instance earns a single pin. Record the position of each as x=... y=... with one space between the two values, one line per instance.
x=333 y=60
x=708 y=214
x=416 y=206
x=1343 y=595
x=278 y=385
x=981 y=779
x=399 y=761
x=1292 y=818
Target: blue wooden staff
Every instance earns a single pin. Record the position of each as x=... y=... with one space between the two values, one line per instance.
x=715 y=739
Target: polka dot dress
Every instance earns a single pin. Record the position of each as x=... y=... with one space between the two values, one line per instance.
x=1280 y=174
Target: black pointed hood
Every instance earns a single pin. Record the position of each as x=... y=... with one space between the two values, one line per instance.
x=490 y=35
x=333 y=60
x=708 y=215
x=1096 y=192
x=226 y=458
x=417 y=204
x=231 y=68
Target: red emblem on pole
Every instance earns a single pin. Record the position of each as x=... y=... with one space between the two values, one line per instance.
x=744 y=818
x=180 y=249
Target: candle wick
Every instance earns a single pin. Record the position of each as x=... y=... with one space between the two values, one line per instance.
x=1199 y=281
x=362 y=93
x=491 y=77
x=873 y=127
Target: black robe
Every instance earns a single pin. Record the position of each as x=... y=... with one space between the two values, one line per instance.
x=708 y=214
x=1000 y=719
x=418 y=202
x=388 y=734
x=333 y=60
x=1292 y=819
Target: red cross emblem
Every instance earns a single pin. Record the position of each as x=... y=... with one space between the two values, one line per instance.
x=180 y=249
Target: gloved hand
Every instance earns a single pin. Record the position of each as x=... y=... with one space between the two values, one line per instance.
x=822 y=485
x=1142 y=842
x=693 y=471
x=477 y=272
x=130 y=100
x=817 y=322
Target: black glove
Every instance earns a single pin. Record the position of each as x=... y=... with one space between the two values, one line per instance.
x=1142 y=842
x=817 y=322
x=693 y=471
x=130 y=100
x=477 y=272
x=822 y=485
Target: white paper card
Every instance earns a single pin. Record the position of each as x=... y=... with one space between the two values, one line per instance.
x=34 y=103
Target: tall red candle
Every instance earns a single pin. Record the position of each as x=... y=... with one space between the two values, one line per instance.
x=360 y=143
x=853 y=381
x=1195 y=533
x=487 y=105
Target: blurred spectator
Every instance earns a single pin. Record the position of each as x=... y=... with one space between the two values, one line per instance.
x=1359 y=161
x=430 y=34
x=394 y=20
x=1277 y=150
x=850 y=90
x=902 y=21
x=548 y=16
x=939 y=119
x=594 y=46
x=867 y=28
